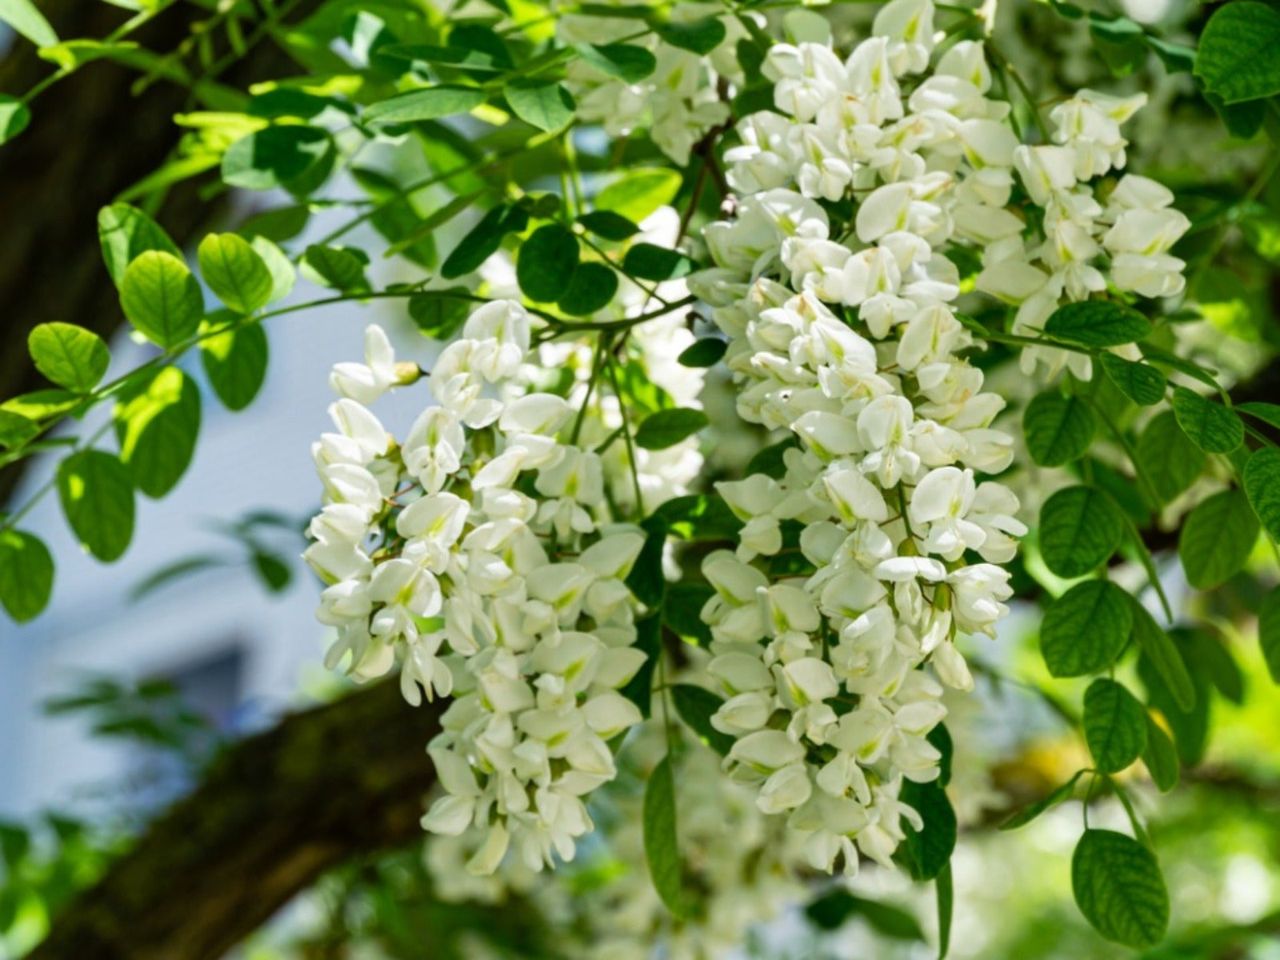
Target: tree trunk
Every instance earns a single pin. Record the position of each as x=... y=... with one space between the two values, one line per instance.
x=273 y=814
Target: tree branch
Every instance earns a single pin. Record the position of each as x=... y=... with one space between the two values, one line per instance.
x=272 y=815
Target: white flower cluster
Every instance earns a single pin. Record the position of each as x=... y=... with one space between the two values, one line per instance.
x=1133 y=229
x=480 y=556
x=849 y=340
x=605 y=907
x=677 y=103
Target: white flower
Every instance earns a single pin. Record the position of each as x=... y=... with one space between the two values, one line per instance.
x=366 y=382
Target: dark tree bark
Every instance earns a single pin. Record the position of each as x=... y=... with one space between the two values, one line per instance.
x=273 y=814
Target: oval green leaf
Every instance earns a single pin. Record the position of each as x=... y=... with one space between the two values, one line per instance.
x=96 y=494
x=547 y=106
x=156 y=424
x=1236 y=57
x=235 y=361
x=1168 y=457
x=1080 y=528
x=1262 y=484
x=125 y=232
x=546 y=262
x=591 y=288
x=1085 y=629
x=26 y=574
x=429 y=104
x=666 y=428
x=1217 y=538
x=161 y=298
x=1140 y=382
x=1211 y=426
x=661 y=846
x=1119 y=889
x=1058 y=429
x=1097 y=323
x=235 y=272
x=70 y=356
x=1115 y=725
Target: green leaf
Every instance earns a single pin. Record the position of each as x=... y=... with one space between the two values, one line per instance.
x=1236 y=56
x=235 y=272
x=157 y=423
x=15 y=116
x=1085 y=629
x=1216 y=539
x=1140 y=382
x=639 y=689
x=171 y=572
x=1057 y=795
x=483 y=240
x=28 y=21
x=70 y=356
x=235 y=362
x=1080 y=528
x=1163 y=656
x=26 y=574
x=272 y=570
x=39 y=405
x=696 y=706
x=696 y=36
x=608 y=225
x=1115 y=725
x=637 y=193
x=661 y=844
x=1266 y=412
x=431 y=103
x=97 y=499
x=279 y=266
x=1168 y=457
x=340 y=268
x=946 y=904
x=646 y=579
x=276 y=156
x=125 y=232
x=547 y=106
x=705 y=352
x=625 y=61
x=651 y=262
x=1262 y=484
x=546 y=263
x=666 y=428
x=1210 y=657
x=682 y=606
x=1190 y=727
x=15 y=429
x=1097 y=323
x=1212 y=427
x=834 y=909
x=1119 y=889
x=161 y=298
x=438 y=315
x=1269 y=631
x=699 y=516
x=591 y=288
x=928 y=851
x=1059 y=429
x=1160 y=757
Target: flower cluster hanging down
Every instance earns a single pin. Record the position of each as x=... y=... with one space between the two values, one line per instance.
x=477 y=555
x=841 y=315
